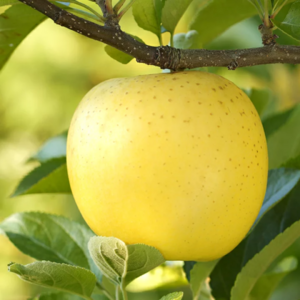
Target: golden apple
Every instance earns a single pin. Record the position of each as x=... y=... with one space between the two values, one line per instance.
x=176 y=161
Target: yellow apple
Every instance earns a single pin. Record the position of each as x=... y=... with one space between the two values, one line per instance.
x=176 y=161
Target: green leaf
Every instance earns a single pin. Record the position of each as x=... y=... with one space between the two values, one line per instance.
x=49 y=177
x=49 y=237
x=173 y=296
x=187 y=268
x=272 y=223
x=215 y=16
x=280 y=183
x=293 y=163
x=284 y=144
x=16 y=23
x=147 y=15
x=56 y=296
x=199 y=273
x=288 y=20
x=121 y=263
x=186 y=40
x=256 y=267
x=273 y=123
x=172 y=13
x=55 y=147
x=118 y=55
x=260 y=99
x=266 y=284
x=9 y=2
x=63 y=277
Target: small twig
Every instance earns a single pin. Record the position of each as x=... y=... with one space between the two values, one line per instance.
x=279 y=9
x=125 y=9
x=119 y=5
x=266 y=14
x=124 y=293
x=87 y=7
x=167 y=57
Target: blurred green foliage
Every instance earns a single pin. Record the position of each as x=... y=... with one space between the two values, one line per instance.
x=44 y=81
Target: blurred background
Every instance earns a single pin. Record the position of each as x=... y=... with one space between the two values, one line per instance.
x=42 y=84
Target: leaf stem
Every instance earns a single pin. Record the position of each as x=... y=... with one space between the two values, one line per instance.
x=88 y=8
x=117 y=292
x=119 y=5
x=279 y=9
x=104 y=291
x=266 y=14
x=172 y=39
x=124 y=293
x=125 y=9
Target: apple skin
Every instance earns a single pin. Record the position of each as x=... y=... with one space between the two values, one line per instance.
x=176 y=161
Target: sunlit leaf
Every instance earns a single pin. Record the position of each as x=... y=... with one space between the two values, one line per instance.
x=121 y=263
x=288 y=20
x=9 y=2
x=173 y=296
x=49 y=177
x=199 y=273
x=266 y=284
x=256 y=267
x=147 y=15
x=215 y=16
x=15 y=24
x=49 y=237
x=56 y=296
x=63 y=277
x=172 y=13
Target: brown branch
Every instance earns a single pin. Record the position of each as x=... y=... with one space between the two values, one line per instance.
x=167 y=57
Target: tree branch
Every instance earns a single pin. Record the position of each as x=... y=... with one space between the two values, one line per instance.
x=164 y=56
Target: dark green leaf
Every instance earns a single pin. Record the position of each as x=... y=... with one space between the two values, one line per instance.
x=63 y=277
x=280 y=183
x=260 y=98
x=173 y=296
x=266 y=284
x=272 y=223
x=172 y=13
x=215 y=16
x=273 y=123
x=199 y=273
x=16 y=23
x=293 y=163
x=50 y=237
x=288 y=20
x=49 y=177
x=121 y=263
x=256 y=267
x=284 y=144
x=187 y=268
x=118 y=55
x=55 y=147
